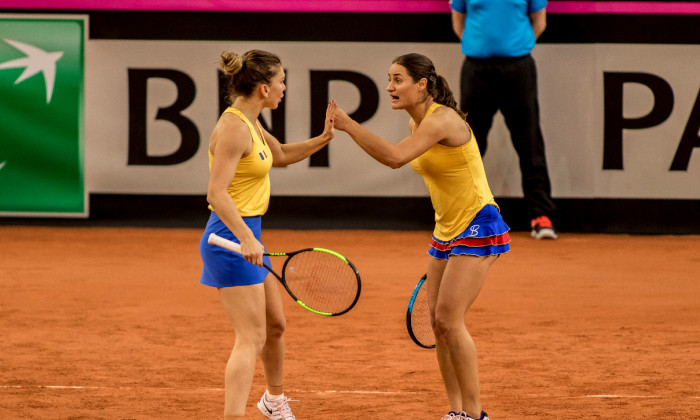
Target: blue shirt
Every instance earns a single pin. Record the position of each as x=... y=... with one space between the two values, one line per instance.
x=497 y=28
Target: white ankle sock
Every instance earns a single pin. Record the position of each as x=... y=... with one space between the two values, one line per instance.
x=273 y=397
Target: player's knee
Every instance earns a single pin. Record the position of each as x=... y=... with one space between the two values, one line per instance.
x=252 y=341
x=276 y=328
x=443 y=323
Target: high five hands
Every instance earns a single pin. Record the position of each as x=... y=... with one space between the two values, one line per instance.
x=338 y=118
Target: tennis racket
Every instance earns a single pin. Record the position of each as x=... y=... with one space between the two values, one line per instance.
x=320 y=280
x=418 y=316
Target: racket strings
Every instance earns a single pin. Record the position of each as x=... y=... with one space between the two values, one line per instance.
x=322 y=281
x=420 y=318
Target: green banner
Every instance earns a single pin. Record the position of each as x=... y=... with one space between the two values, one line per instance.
x=41 y=116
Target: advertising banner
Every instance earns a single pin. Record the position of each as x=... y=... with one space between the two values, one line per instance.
x=41 y=116
x=616 y=124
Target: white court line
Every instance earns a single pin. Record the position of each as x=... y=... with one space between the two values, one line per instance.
x=202 y=389
x=307 y=391
x=352 y=392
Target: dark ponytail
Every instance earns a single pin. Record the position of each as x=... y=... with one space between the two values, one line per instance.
x=420 y=67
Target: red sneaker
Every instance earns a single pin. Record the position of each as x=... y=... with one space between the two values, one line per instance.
x=542 y=228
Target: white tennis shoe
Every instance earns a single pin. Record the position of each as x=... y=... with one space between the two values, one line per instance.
x=464 y=415
x=453 y=415
x=275 y=409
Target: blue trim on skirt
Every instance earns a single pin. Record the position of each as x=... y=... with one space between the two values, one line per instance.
x=223 y=268
x=488 y=222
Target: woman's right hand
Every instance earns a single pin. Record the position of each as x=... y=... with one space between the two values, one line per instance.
x=253 y=251
x=341 y=120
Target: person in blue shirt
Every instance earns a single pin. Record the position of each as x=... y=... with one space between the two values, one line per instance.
x=499 y=73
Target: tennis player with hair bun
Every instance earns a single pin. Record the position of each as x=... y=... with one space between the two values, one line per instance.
x=469 y=232
x=241 y=153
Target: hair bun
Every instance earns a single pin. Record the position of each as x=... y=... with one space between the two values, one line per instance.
x=231 y=63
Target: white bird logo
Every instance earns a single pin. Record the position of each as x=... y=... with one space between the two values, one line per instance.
x=36 y=60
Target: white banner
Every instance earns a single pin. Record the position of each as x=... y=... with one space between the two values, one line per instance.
x=572 y=102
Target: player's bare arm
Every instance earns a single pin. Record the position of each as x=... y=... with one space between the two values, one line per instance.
x=229 y=143
x=393 y=155
x=288 y=153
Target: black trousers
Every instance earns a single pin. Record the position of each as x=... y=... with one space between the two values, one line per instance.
x=510 y=84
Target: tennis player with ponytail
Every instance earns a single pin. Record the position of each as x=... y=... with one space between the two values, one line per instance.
x=469 y=232
x=241 y=153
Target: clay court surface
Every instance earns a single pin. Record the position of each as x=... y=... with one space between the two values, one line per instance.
x=111 y=323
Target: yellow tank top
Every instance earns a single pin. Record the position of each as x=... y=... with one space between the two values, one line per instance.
x=457 y=184
x=250 y=188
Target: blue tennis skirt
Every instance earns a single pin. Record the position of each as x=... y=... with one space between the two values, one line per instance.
x=486 y=235
x=223 y=268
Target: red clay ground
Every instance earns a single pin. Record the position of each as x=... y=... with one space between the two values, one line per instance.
x=111 y=323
